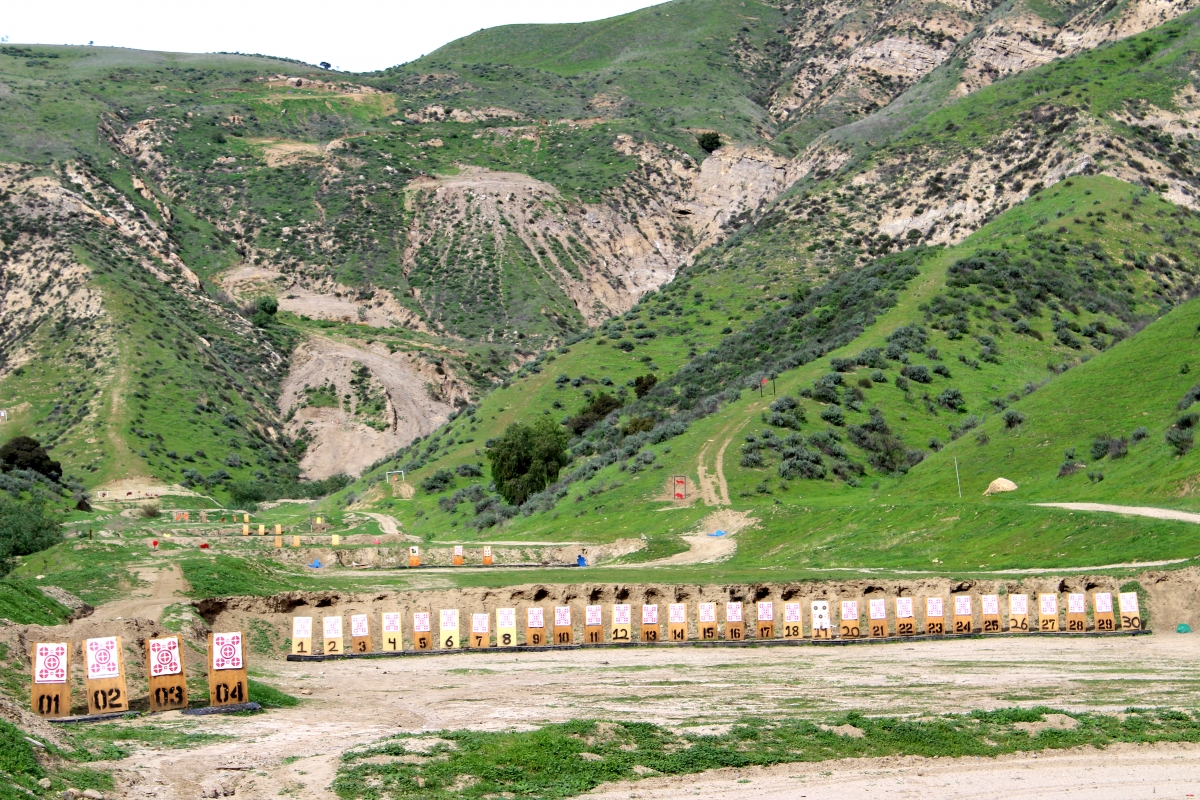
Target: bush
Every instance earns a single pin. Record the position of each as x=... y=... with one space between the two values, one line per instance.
x=1139 y=434
x=918 y=373
x=784 y=403
x=878 y=376
x=843 y=364
x=779 y=420
x=1118 y=448
x=833 y=415
x=1099 y=447
x=941 y=369
x=643 y=384
x=1069 y=468
x=1013 y=418
x=469 y=471
x=150 y=511
x=801 y=463
x=24 y=453
x=439 y=481
x=952 y=399
x=24 y=529
x=1180 y=439
x=752 y=459
x=709 y=141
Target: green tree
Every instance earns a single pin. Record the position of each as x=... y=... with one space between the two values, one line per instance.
x=25 y=453
x=24 y=529
x=527 y=458
x=264 y=311
x=708 y=141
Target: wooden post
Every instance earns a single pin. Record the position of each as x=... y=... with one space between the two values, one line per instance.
x=448 y=629
x=458 y=555
x=278 y=529
x=849 y=627
x=165 y=677
x=906 y=621
x=278 y=542
x=1076 y=613
x=677 y=628
x=877 y=614
x=622 y=624
x=422 y=630
x=535 y=627
x=991 y=613
x=706 y=622
x=481 y=636
x=793 y=621
x=262 y=530
x=564 y=633
x=593 y=625
x=1048 y=613
x=247 y=518
x=335 y=540
x=295 y=541
x=487 y=555
x=506 y=627
x=302 y=636
x=1018 y=613
x=764 y=614
x=50 y=685
x=1102 y=612
x=822 y=625
x=227 y=680
x=245 y=530
x=1131 y=615
x=392 y=640
x=105 y=663
x=650 y=622
x=935 y=617
x=360 y=634
x=735 y=628
x=964 y=615
x=333 y=643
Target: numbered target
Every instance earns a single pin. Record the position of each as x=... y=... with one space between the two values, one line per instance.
x=622 y=623
x=480 y=635
x=822 y=620
x=1131 y=616
x=964 y=619
x=877 y=618
x=535 y=627
x=793 y=623
x=506 y=627
x=50 y=691
x=706 y=621
x=422 y=630
x=360 y=634
x=1102 y=612
x=906 y=621
x=1048 y=613
x=333 y=636
x=166 y=683
x=448 y=629
x=391 y=636
x=105 y=664
x=735 y=628
x=677 y=622
x=593 y=625
x=1076 y=613
x=1018 y=613
x=935 y=620
x=458 y=555
x=990 y=608
x=650 y=626
x=765 y=613
x=227 y=673
x=849 y=628
x=564 y=632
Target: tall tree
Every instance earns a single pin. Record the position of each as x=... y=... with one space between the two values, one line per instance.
x=527 y=459
x=22 y=452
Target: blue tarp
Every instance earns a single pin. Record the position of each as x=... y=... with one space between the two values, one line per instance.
x=717 y=533
x=316 y=564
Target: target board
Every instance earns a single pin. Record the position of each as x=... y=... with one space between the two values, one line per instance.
x=302 y=636
x=1102 y=611
x=535 y=627
x=227 y=680
x=1131 y=616
x=105 y=664
x=935 y=617
x=877 y=618
x=50 y=691
x=458 y=555
x=822 y=621
x=849 y=628
x=332 y=636
x=622 y=623
x=906 y=621
x=422 y=630
x=262 y=530
x=735 y=628
x=448 y=628
x=1076 y=613
x=245 y=530
x=391 y=636
x=1018 y=613
x=487 y=555
x=480 y=635
x=677 y=628
x=593 y=624
x=990 y=612
x=964 y=618
x=506 y=627
x=360 y=634
x=765 y=614
x=295 y=541
x=793 y=623
x=650 y=622
x=414 y=556
x=166 y=682
x=1048 y=613
x=564 y=632
x=706 y=621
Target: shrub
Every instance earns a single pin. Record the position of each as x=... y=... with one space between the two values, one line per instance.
x=878 y=376
x=784 y=403
x=833 y=415
x=1069 y=468
x=1099 y=448
x=149 y=511
x=865 y=382
x=800 y=462
x=754 y=458
x=637 y=425
x=872 y=357
x=842 y=364
x=1013 y=418
x=643 y=384
x=1095 y=476
x=902 y=383
x=952 y=399
x=1180 y=439
x=22 y=452
x=1139 y=434
x=24 y=529
x=918 y=373
x=941 y=369
x=1118 y=448
x=935 y=444
x=439 y=481
x=709 y=141
x=625 y=345
x=469 y=471
x=527 y=459
x=781 y=420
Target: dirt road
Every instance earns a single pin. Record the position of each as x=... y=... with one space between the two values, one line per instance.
x=163 y=586
x=1133 y=511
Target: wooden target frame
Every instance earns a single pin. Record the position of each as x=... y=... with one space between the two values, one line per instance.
x=764 y=614
x=735 y=627
x=1018 y=613
x=422 y=630
x=50 y=691
x=166 y=683
x=487 y=555
x=650 y=626
x=677 y=627
x=302 y=636
x=964 y=615
x=506 y=627
x=1131 y=615
x=1048 y=613
x=906 y=618
x=707 y=627
x=822 y=620
x=849 y=625
x=1076 y=612
x=877 y=618
x=414 y=556
x=989 y=610
x=935 y=616
x=448 y=638
x=458 y=555
x=1102 y=612
x=564 y=631
x=793 y=621
x=391 y=632
x=593 y=625
x=227 y=686
x=332 y=637
x=622 y=623
x=535 y=626
x=360 y=633
x=481 y=635
x=106 y=695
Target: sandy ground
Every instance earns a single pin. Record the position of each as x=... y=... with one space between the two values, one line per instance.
x=706 y=549
x=1134 y=511
x=164 y=586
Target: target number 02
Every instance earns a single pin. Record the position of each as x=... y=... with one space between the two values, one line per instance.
x=106 y=698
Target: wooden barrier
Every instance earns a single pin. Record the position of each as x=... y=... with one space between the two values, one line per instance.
x=332 y=642
x=877 y=617
x=564 y=633
x=848 y=626
x=706 y=622
x=506 y=627
x=822 y=622
x=422 y=630
x=535 y=627
x=165 y=677
x=246 y=518
x=1048 y=613
x=458 y=555
x=487 y=555
x=593 y=624
x=935 y=617
x=1131 y=615
x=793 y=621
x=105 y=662
x=360 y=634
x=649 y=628
x=480 y=635
x=677 y=629
x=1102 y=612
x=1076 y=613
x=990 y=604
x=964 y=616
x=764 y=613
x=1018 y=613
x=392 y=636
x=906 y=621
x=448 y=629
x=227 y=680
x=622 y=624
x=735 y=628
x=50 y=687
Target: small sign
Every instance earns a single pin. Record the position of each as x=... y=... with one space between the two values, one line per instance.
x=964 y=617
x=564 y=632
x=706 y=621
x=302 y=636
x=1018 y=613
x=448 y=628
x=593 y=625
x=535 y=627
x=506 y=627
x=422 y=630
x=822 y=622
x=906 y=623
x=677 y=622
x=735 y=629
x=480 y=635
x=1048 y=613
x=849 y=628
x=765 y=614
x=414 y=556
x=650 y=622
x=1131 y=617
x=991 y=613
x=332 y=630
x=360 y=634
x=392 y=637
x=877 y=614
x=227 y=679
x=166 y=682
x=1076 y=613
x=622 y=623
x=793 y=625
x=1102 y=612
x=458 y=555
x=50 y=692
x=487 y=555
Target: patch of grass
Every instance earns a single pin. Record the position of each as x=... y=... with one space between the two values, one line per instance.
x=95 y=572
x=113 y=741
x=270 y=697
x=21 y=602
x=227 y=576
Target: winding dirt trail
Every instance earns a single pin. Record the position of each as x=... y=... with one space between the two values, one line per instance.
x=706 y=549
x=1132 y=511
x=166 y=586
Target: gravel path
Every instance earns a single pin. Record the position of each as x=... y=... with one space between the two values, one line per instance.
x=1133 y=511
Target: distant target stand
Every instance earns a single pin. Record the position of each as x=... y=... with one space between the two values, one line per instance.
x=679 y=487
x=3 y=415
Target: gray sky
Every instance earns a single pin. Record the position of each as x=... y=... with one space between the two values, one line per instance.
x=365 y=35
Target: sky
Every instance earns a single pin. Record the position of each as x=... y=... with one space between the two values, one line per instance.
x=363 y=36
